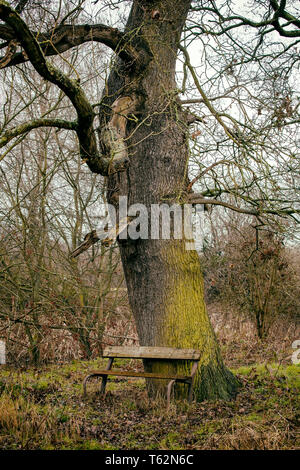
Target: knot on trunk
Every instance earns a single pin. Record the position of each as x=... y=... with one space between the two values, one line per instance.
x=112 y=135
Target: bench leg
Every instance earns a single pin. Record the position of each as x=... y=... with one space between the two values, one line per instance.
x=84 y=383
x=169 y=390
x=104 y=377
x=104 y=380
x=103 y=384
x=190 y=395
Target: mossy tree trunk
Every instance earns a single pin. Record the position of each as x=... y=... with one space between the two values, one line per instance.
x=164 y=279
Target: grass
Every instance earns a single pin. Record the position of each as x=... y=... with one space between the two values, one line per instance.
x=44 y=409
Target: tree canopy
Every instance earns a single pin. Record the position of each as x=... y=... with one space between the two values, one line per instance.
x=236 y=74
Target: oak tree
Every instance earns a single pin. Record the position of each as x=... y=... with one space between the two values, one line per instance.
x=137 y=137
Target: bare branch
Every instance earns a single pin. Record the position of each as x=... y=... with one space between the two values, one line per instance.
x=220 y=162
x=28 y=126
x=279 y=12
x=10 y=52
x=21 y=5
x=106 y=237
x=199 y=199
x=64 y=37
x=89 y=240
x=85 y=131
x=206 y=100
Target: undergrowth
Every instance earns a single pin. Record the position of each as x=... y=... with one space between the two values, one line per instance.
x=44 y=409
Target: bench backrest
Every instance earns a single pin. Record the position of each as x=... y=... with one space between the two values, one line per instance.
x=151 y=352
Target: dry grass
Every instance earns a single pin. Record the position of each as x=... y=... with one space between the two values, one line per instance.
x=44 y=409
x=239 y=341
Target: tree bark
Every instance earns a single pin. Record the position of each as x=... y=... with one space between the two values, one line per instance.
x=164 y=280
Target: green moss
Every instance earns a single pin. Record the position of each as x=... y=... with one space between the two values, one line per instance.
x=62 y=417
x=97 y=422
x=186 y=325
x=91 y=444
x=171 y=441
x=129 y=404
x=42 y=384
x=290 y=373
x=207 y=428
x=131 y=441
x=254 y=417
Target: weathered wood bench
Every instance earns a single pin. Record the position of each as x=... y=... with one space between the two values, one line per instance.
x=147 y=352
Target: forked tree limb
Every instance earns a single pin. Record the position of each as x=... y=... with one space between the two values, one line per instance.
x=85 y=112
x=65 y=37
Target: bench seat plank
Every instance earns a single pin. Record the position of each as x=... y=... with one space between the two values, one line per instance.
x=132 y=373
x=151 y=352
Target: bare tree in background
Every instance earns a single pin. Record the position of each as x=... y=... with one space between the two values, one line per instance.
x=242 y=122
x=250 y=269
x=48 y=300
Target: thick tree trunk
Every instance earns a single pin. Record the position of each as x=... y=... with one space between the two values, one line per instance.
x=164 y=279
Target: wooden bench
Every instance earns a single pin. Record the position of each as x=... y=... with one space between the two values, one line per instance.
x=147 y=352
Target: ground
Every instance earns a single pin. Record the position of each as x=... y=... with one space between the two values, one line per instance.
x=44 y=409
